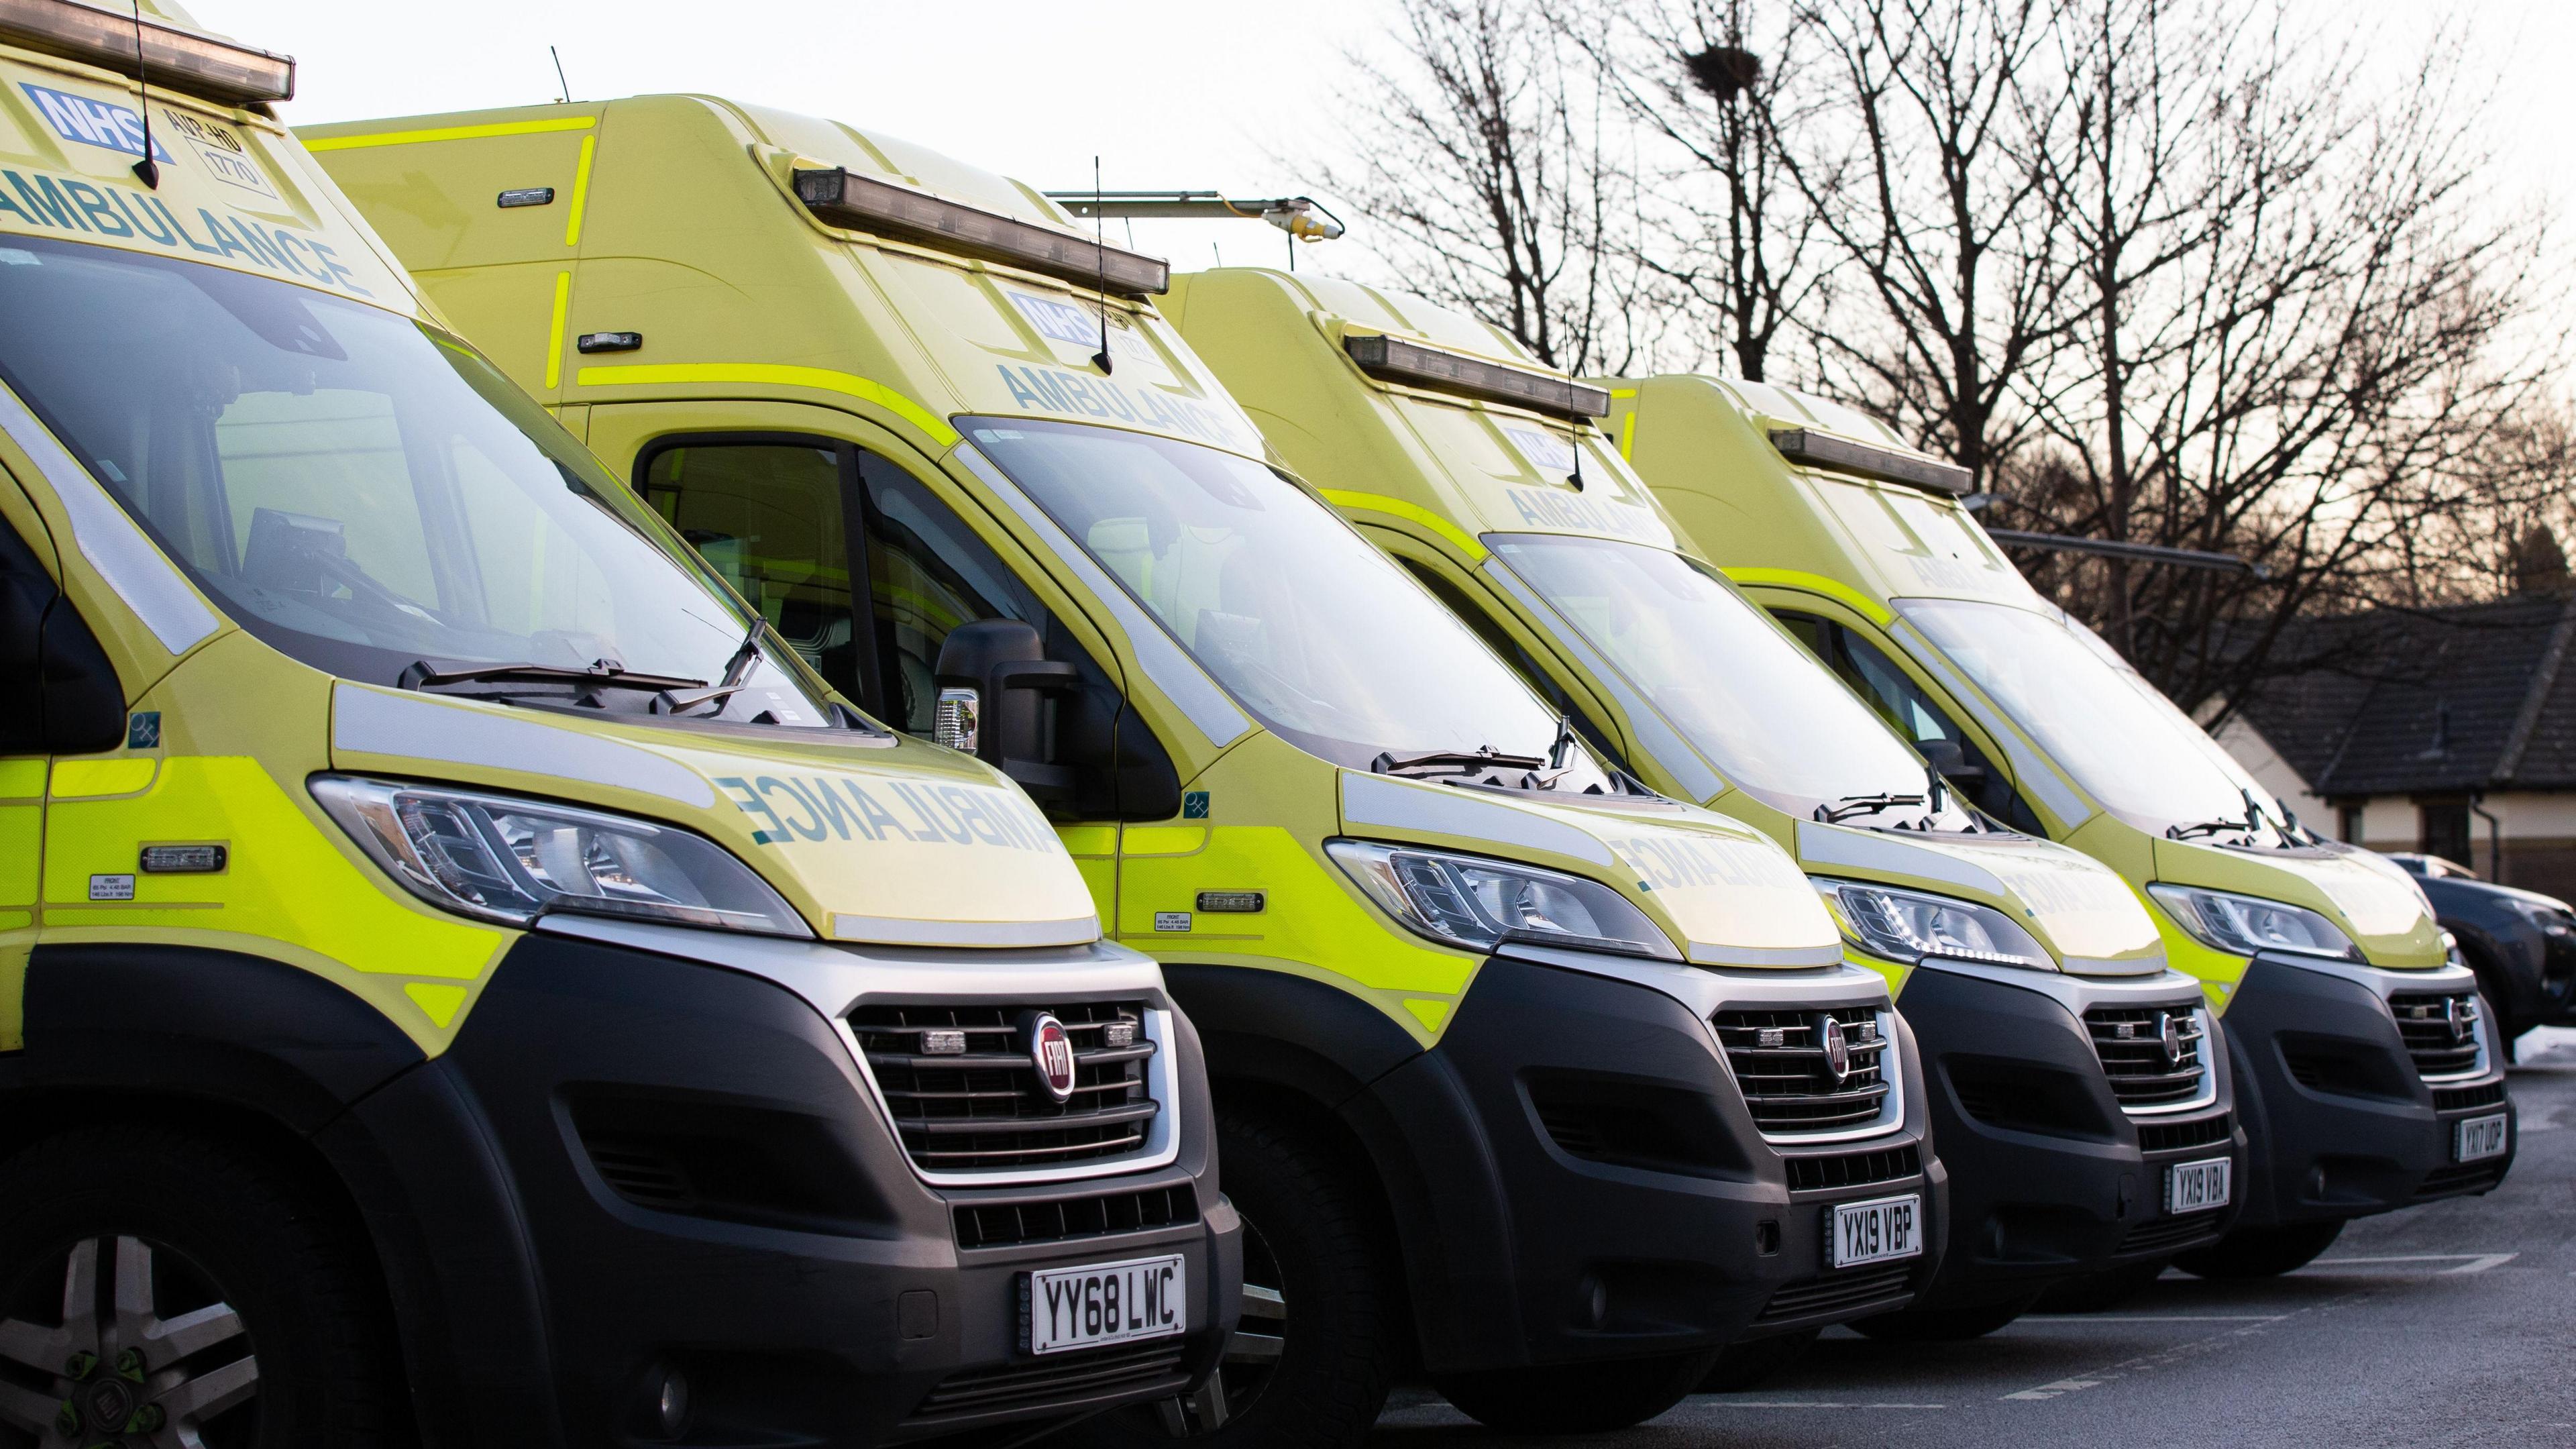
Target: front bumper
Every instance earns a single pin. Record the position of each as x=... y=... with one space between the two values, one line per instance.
x=1644 y=1212
x=691 y=1165
x=2341 y=1122
x=2050 y=1176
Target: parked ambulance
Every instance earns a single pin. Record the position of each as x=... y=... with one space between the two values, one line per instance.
x=2368 y=1070
x=1468 y=993
x=464 y=978
x=2084 y=1128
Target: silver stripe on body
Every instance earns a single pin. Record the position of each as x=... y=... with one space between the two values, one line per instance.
x=906 y=931
x=380 y=722
x=1441 y=810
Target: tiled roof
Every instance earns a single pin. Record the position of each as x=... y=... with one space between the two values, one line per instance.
x=2479 y=697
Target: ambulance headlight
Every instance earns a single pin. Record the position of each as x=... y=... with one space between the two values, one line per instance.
x=1467 y=900
x=1908 y=926
x=509 y=860
x=2246 y=925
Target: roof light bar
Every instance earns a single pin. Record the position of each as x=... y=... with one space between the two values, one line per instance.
x=1824 y=450
x=1396 y=360
x=177 y=59
x=863 y=203
x=1302 y=217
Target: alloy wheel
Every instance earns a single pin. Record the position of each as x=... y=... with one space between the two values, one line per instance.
x=146 y=1354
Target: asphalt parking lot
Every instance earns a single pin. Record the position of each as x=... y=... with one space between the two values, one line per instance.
x=2452 y=1324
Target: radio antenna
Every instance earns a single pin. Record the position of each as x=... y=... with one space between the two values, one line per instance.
x=1100 y=266
x=1574 y=438
x=563 y=88
x=147 y=170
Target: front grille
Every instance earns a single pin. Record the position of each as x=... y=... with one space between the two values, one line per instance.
x=1001 y=1225
x=1854 y=1169
x=2154 y=1137
x=2152 y=1054
x=1782 y=1065
x=2162 y=1235
x=2466 y=1177
x=1836 y=1292
x=2439 y=1028
x=2461 y=1099
x=986 y=1107
x=1072 y=1380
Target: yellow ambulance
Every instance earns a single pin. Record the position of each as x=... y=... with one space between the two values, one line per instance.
x=463 y=977
x=2368 y=1069
x=2084 y=1130
x=1470 y=997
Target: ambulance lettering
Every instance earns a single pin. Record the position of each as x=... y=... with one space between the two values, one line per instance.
x=1546 y=508
x=1059 y=320
x=1055 y=390
x=826 y=807
x=1675 y=861
x=39 y=202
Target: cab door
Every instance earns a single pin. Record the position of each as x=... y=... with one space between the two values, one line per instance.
x=865 y=561
x=58 y=694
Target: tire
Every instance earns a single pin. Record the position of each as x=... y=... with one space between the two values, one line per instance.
x=1742 y=1367
x=1584 y=1398
x=1940 y=1325
x=1309 y=1367
x=266 y=1321
x=2261 y=1252
x=2102 y=1290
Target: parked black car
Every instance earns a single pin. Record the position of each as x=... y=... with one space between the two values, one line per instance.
x=2521 y=943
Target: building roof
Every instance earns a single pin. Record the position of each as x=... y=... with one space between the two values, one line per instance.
x=2477 y=697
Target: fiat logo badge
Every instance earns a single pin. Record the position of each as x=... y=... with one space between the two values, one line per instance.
x=2455 y=1018
x=2170 y=1027
x=1837 y=1051
x=1051 y=1051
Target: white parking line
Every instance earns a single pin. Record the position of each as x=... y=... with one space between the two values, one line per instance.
x=2151 y=1318
x=2468 y=1262
x=1819 y=1403
x=2062 y=1386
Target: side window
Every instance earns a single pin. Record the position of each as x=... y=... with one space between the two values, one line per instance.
x=927 y=574
x=772 y=517
x=1532 y=673
x=1904 y=704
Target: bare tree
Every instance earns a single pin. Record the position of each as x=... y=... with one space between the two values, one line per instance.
x=2282 y=319
x=1930 y=192
x=1480 y=159
x=1721 y=84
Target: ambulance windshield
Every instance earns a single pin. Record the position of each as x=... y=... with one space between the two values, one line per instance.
x=360 y=492
x=1310 y=627
x=1738 y=687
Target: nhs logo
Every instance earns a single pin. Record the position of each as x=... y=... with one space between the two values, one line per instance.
x=93 y=123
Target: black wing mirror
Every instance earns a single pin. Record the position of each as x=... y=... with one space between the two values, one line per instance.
x=995 y=687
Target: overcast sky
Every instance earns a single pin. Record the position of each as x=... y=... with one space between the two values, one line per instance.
x=1169 y=93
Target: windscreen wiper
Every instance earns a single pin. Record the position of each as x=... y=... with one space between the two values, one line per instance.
x=430 y=675
x=736 y=675
x=2251 y=824
x=1851 y=805
x=1483 y=757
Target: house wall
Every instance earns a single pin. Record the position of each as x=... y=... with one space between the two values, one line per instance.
x=2538 y=828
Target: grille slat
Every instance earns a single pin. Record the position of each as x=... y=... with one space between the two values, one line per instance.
x=2131 y=1043
x=1781 y=1065
x=2172 y=1234
x=1854 y=1169
x=986 y=1108
x=2464 y=1177
x=2439 y=1029
x=2155 y=1137
x=1836 y=1292
x=1074 y=1378
x=2461 y=1099
x=1001 y=1225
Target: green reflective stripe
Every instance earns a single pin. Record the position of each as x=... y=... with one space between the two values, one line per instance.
x=1835 y=589
x=450 y=133
x=1411 y=512
x=760 y=374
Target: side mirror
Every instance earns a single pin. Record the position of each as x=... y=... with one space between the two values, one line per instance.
x=995 y=688
x=1951 y=761
x=58 y=692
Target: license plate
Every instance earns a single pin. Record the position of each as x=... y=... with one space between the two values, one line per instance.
x=2477 y=1138
x=1873 y=1232
x=2196 y=1187
x=1070 y=1308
